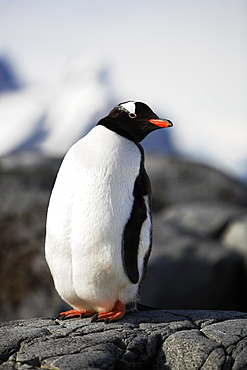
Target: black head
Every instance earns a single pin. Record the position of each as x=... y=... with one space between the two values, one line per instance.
x=133 y=120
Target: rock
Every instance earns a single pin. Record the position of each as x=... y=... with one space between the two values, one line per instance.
x=190 y=267
x=195 y=275
x=175 y=180
x=235 y=236
x=26 y=288
x=201 y=219
x=171 y=340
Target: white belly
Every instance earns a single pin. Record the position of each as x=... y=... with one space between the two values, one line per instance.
x=89 y=207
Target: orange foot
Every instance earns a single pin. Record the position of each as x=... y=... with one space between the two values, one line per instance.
x=73 y=313
x=116 y=313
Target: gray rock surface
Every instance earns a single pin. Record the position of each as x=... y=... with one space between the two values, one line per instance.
x=235 y=236
x=191 y=266
x=26 y=288
x=169 y=340
x=176 y=180
x=201 y=219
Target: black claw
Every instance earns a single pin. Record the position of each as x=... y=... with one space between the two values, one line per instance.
x=94 y=317
x=59 y=317
x=107 y=321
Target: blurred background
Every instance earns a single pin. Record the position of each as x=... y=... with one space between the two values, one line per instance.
x=63 y=66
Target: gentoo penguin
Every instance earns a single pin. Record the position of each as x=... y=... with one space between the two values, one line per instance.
x=99 y=228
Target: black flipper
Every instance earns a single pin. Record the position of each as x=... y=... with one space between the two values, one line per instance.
x=132 y=230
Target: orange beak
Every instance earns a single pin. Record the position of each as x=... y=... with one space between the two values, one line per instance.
x=161 y=122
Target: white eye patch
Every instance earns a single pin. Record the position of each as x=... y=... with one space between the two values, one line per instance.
x=129 y=106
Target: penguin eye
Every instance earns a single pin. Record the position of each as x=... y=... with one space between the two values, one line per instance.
x=132 y=115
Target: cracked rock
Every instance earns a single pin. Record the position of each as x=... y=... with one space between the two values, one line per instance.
x=169 y=340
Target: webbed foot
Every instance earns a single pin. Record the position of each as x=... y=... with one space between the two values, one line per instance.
x=116 y=313
x=73 y=313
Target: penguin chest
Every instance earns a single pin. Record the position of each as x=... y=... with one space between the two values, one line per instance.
x=89 y=207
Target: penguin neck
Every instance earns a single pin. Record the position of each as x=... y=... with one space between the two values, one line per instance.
x=118 y=129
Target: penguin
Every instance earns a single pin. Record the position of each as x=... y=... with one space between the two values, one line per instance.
x=99 y=225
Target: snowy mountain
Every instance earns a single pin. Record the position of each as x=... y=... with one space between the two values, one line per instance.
x=49 y=119
x=8 y=78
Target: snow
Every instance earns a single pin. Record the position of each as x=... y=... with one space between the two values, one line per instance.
x=19 y=114
x=49 y=118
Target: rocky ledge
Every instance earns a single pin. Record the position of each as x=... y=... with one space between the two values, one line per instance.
x=162 y=339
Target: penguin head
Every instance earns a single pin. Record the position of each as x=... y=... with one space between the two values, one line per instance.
x=133 y=120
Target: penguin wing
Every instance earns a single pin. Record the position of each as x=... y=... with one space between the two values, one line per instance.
x=132 y=230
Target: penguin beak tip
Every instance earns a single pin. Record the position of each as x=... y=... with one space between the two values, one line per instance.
x=161 y=122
